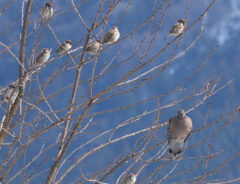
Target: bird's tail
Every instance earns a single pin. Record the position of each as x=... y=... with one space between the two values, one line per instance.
x=175 y=149
x=166 y=37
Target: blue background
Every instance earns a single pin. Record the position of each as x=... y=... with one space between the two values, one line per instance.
x=222 y=28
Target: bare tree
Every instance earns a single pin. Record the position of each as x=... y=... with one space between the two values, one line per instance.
x=83 y=118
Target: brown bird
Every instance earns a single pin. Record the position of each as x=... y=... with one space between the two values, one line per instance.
x=64 y=47
x=43 y=56
x=177 y=28
x=10 y=94
x=131 y=179
x=46 y=12
x=93 y=47
x=111 y=36
x=179 y=129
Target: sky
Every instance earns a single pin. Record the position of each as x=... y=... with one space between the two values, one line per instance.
x=222 y=28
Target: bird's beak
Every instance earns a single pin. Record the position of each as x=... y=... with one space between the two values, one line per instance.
x=50 y=50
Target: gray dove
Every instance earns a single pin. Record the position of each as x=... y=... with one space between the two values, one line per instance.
x=179 y=129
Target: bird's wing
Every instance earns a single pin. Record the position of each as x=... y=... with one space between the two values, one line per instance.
x=176 y=137
x=89 y=48
x=61 y=47
x=43 y=15
x=188 y=122
x=187 y=137
x=175 y=28
x=169 y=135
x=108 y=36
x=38 y=57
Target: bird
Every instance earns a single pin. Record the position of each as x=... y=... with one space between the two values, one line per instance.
x=111 y=36
x=177 y=28
x=65 y=46
x=93 y=47
x=46 y=12
x=9 y=94
x=131 y=179
x=179 y=129
x=43 y=56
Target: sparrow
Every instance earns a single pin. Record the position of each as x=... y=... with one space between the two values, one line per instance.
x=9 y=94
x=46 y=12
x=131 y=179
x=43 y=56
x=65 y=46
x=94 y=47
x=111 y=36
x=177 y=28
x=179 y=129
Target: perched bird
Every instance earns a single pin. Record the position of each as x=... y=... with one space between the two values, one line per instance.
x=46 y=12
x=131 y=179
x=179 y=129
x=9 y=94
x=94 y=47
x=111 y=36
x=65 y=46
x=177 y=28
x=43 y=56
